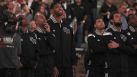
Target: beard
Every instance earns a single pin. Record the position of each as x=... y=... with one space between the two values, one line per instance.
x=58 y=14
x=134 y=25
x=117 y=24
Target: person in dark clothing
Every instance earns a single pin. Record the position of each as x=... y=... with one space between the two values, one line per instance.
x=23 y=26
x=35 y=6
x=10 y=45
x=10 y=48
x=79 y=11
x=97 y=48
x=132 y=42
x=2 y=8
x=67 y=8
x=91 y=7
x=45 y=47
x=29 y=49
x=44 y=9
x=65 y=55
x=117 y=57
x=106 y=9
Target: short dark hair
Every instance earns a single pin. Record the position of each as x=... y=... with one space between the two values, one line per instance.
x=112 y=14
x=98 y=17
x=53 y=5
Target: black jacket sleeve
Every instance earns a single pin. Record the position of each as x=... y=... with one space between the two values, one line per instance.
x=51 y=39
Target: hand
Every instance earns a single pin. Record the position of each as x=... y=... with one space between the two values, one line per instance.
x=55 y=72
x=47 y=27
x=113 y=44
x=64 y=16
x=82 y=23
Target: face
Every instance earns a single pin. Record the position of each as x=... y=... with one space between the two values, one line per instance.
x=40 y=19
x=99 y=24
x=33 y=25
x=26 y=9
x=24 y=22
x=117 y=17
x=131 y=11
x=10 y=5
x=42 y=9
x=58 y=10
x=123 y=8
x=133 y=21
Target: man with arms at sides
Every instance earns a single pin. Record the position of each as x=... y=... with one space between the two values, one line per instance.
x=65 y=55
x=97 y=50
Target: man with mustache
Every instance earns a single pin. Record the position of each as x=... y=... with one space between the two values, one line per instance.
x=118 y=55
x=65 y=56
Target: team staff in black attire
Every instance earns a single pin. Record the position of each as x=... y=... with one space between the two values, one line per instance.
x=28 y=54
x=45 y=46
x=97 y=48
x=118 y=55
x=132 y=42
x=65 y=56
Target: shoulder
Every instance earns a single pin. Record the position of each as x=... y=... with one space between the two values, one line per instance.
x=107 y=34
x=91 y=35
x=109 y=30
x=50 y=21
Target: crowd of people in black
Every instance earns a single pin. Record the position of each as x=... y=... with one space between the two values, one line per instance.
x=39 y=40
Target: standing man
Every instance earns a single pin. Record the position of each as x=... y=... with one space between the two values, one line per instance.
x=10 y=44
x=132 y=42
x=118 y=55
x=45 y=46
x=97 y=50
x=65 y=56
x=28 y=54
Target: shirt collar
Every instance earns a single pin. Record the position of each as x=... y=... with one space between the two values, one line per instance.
x=114 y=28
x=54 y=19
x=40 y=30
x=98 y=32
